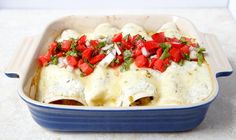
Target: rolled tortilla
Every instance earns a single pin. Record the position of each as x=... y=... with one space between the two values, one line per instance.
x=171 y=30
x=137 y=88
x=60 y=86
x=104 y=30
x=102 y=89
x=134 y=29
x=68 y=34
x=171 y=86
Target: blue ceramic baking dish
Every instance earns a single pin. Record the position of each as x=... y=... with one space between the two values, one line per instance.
x=106 y=119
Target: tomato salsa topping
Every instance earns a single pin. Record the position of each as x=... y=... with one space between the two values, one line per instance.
x=156 y=53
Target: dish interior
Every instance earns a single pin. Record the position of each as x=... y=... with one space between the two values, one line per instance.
x=87 y=24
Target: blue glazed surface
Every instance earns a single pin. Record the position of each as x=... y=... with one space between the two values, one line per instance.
x=148 y=120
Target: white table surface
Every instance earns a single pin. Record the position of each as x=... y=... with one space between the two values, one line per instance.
x=16 y=121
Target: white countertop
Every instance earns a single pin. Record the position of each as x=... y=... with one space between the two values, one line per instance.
x=16 y=121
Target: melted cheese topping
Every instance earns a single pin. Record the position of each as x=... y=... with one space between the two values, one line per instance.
x=102 y=88
x=185 y=84
x=178 y=85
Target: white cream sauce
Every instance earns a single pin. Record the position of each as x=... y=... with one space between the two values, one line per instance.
x=178 y=85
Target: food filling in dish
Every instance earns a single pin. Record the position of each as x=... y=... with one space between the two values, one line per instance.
x=124 y=67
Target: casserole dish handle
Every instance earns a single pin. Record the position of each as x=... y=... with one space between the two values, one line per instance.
x=21 y=58
x=219 y=63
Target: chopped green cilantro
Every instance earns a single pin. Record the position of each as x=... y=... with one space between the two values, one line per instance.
x=72 y=53
x=126 y=37
x=165 y=47
x=200 y=58
x=54 y=60
x=101 y=44
x=127 y=61
x=181 y=62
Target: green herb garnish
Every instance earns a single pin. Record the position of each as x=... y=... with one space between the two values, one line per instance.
x=127 y=54
x=201 y=50
x=183 y=40
x=165 y=47
x=200 y=56
x=117 y=61
x=127 y=61
x=181 y=62
x=54 y=60
x=101 y=44
x=72 y=53
x=73 y=44
x=126 y=37
x=186 y=56
x=58 y=49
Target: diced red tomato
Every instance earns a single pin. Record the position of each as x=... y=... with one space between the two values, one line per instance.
x=130 y=39
x=94 y=43
x=139 y=44
x=194 y=44
x=135 y=38
x=52 y=47
x=120 y=60
x=159 y=37
x=141 y=61
x=159 y=65
x=152 y=61
x=152 y=51
x=175 y=54
x=97 y=58
x=87 y=53
x=177 y=44
x=194 y=59
x=117 y=37
x=82 y=40
x=137 y=52
x=126 y=44
x=65 y=46
x=121 y=49
x=80 y=62
x=167 y=61
x=149 y=45
x=43 y=60
x=187 y=39
x=185 y=49
x=72 y=61
x=159 y=52
x=86 y=69
x=81 y=47
x=60 y=54
x=172 y=39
